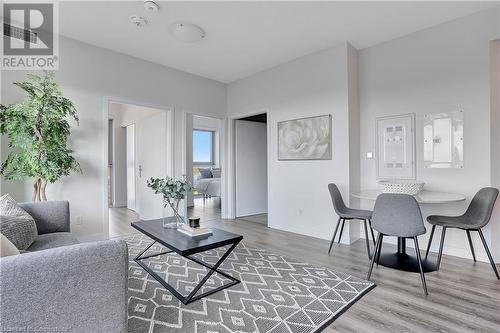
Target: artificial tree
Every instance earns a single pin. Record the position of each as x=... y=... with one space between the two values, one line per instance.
x=38 y=132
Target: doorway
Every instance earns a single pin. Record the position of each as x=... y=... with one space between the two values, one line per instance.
x=139 y=147
x=203 y=166
x=251 y=183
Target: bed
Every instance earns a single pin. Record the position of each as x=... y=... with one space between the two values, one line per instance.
x=205 y=185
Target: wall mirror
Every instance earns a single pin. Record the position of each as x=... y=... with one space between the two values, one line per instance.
x=396 y=147
x=444 y=140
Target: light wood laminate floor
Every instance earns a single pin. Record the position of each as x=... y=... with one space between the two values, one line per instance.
x=463 y=296
x=119 y=221
x=206 y=209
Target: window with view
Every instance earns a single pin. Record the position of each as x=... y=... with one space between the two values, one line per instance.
x=203 y=143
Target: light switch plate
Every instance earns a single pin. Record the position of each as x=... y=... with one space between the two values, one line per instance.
x=369 y=155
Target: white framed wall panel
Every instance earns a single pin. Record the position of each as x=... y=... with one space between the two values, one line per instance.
x=396 y=147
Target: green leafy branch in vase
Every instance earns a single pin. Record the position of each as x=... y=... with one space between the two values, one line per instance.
x=173 y=191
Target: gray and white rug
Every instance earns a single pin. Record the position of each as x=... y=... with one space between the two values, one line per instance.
x=276 y=294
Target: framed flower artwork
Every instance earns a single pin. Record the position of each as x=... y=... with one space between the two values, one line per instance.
x=305 y=139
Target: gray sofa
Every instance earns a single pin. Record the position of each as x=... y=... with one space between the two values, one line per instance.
x=63 y=285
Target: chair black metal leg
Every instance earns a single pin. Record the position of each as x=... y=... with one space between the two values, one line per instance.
x=492 y=262
x=334 y=234
x=470 y=244
x=443 y=233
x=341 y=229
x=371 y=229
x=367 y=239
x=430 y=241
x=377 y=250
x=419 y=259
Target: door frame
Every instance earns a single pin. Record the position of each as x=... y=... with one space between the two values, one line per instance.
x=170 y=146
x=111 y=120
x=133 y=129
x=222 y=153
x=231 y=162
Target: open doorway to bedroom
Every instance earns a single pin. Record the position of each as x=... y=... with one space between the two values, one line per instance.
x=203 y=166
x=132 y=159
x=251 y=183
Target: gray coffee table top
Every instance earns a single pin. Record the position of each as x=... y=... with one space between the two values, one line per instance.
x=184 y=244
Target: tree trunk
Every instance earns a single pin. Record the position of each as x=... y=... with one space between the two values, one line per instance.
x=35 y=190
x=39 y=190
x=42 y=190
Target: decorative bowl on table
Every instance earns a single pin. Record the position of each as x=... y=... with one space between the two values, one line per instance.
x=402 y=186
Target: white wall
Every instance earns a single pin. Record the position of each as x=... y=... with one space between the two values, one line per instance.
x=495 y=139
x=131 y=114
x=313 y=85
x=251 y=168
x=441 y=69
x=354 y=136
x=88 y=75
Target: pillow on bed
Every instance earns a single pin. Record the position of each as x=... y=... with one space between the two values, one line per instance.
x=205 y=172
x=216 y=173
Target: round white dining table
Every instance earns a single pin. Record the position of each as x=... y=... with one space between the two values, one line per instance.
x=400 y=259
x=424 y=197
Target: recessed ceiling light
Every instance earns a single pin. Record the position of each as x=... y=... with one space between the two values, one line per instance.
x=151 y=6
x=138 y=21
x=187 y=32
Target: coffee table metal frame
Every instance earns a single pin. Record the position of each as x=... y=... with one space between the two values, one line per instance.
x=211 y=270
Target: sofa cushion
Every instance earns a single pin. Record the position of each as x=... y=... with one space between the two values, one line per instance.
x=49 y=241
x=49 y=216
x=6 y=247
x=16 y=224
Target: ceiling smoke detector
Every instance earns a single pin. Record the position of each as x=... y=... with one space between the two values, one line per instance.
x=138 y=21
x=187 y=32
x=151 y=6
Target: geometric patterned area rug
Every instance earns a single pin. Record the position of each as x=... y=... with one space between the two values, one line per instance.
x=277 y=294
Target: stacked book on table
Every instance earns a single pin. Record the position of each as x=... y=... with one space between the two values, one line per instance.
x=194 y=232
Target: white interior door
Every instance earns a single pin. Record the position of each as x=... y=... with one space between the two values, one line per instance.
x=151 y=161
x=251 y=168
x=130 y=157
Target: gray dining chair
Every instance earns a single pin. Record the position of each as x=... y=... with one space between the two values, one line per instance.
x=477 y=215
x=348 y=214
x=397 y=215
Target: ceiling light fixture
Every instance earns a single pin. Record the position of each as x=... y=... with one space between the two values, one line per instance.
x=187 y=32
x=151 y=6
x=138 y=21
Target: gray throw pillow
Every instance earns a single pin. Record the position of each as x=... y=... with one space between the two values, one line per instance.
x=216 y=173
x=205 y=172
x=16 y=224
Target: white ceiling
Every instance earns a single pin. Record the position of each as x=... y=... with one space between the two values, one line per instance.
x=244 y=38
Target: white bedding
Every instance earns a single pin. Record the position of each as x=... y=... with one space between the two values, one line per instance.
x=208 y=186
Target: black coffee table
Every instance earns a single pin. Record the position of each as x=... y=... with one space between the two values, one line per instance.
x=186 y=247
